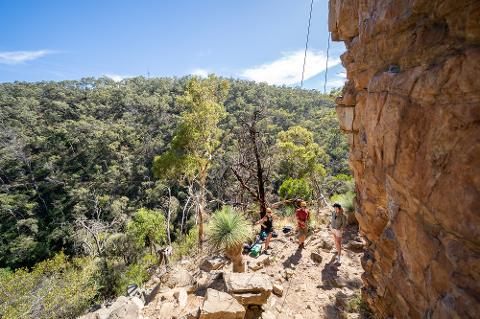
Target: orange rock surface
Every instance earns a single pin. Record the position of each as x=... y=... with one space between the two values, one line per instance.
x=411 y=108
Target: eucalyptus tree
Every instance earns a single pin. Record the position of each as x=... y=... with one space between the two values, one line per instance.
x=195 y=141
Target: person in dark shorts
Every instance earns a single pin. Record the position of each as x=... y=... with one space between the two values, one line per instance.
x=267 y=227
x=302 y=215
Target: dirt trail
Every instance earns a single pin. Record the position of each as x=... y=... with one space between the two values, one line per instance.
x=321 y=289
x=314 y=290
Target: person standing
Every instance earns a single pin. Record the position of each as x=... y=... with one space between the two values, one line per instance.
x=267 y=227
x=338 y=223
x=302 y=215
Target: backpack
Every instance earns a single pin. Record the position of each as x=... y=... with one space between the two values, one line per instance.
x=255 y=250
x=263 y=235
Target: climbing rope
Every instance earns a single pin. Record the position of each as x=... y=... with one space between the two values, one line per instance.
x=326 y=66
x=306 y=43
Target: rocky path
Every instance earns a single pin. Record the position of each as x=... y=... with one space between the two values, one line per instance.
x=307 y=283
x=314 y=286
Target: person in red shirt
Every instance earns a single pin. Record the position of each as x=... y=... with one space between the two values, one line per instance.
x=302 y=215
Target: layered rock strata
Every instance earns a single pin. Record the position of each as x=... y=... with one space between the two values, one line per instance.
x=411 y=109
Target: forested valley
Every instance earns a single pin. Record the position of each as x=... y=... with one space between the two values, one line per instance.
x=97 y=175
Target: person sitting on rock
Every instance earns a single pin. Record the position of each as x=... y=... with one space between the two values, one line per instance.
x=267 y=227
x=302 y=215
x=338 y=223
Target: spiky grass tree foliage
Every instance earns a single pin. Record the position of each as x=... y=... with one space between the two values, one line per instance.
x=228 y=230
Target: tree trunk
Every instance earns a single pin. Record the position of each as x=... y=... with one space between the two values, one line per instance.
x=183 y=214
x=201 y=206
x=261 y=183
x=168 y=215
x=235 y=255
x=200 y=227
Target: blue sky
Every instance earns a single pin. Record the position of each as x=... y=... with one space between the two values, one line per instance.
x=260 y=40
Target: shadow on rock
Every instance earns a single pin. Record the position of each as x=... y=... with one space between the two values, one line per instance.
x=329 y=275
x=331 y=312
x=213 y=281
x=293 y=260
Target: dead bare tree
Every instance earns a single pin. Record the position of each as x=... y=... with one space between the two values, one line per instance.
x=97 y=230
x=253 y=159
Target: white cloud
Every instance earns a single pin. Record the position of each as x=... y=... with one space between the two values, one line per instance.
x=288 y=69
x=336 y=83
x=17 y=57
x=200 y=72
x=116 y=77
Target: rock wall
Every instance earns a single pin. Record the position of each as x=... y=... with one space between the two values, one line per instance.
x=411 y=109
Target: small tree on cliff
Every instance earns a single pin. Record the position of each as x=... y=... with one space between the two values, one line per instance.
x=228 y=230
x=196 y=139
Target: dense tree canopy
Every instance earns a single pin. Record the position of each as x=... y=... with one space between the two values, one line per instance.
x=76 y=157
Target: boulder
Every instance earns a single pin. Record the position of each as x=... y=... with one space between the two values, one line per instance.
x=249 y=288
x=326 y=244
x=166 y=309
x=247 y=283
x=260 y=262
x=220 y=305
x=253 y=312
x=192 y=308
x=128 y=310
x=251 y=298
x=268 y=315
x=181 y=297
x=102 y=313
x=278 y=289
x=122 y=307
x=288 y=273
x=213 y=263
x=316 y=257
x=179 y=277
x=356 y=246
x=351 y=219
x=255 y=266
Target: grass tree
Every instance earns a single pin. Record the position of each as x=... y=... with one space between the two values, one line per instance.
x=228 y=230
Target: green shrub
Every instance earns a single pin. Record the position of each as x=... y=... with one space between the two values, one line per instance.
x=147 y=228
x=356 y=304
x=295 y=188
x=136 y=273
x=287 y=210
x=54 y=288
x=186 y=245
x=339 y=184
x=346 y=200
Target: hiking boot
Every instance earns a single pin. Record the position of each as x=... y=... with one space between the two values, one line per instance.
x=265 y=252
x=337 y=260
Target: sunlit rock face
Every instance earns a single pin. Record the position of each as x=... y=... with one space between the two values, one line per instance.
x=411 y=108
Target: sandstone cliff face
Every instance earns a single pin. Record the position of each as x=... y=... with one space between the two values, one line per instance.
x=411 y=108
